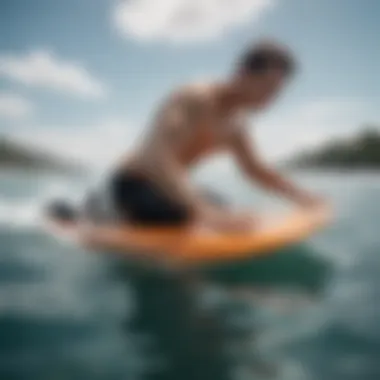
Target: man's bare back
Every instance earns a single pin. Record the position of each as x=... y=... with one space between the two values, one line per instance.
x=193 y=124
x=187 y=128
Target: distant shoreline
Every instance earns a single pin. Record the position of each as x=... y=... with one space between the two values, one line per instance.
x=17 y=156
x=361 y=152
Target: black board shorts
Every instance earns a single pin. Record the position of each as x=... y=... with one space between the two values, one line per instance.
x=139 y=201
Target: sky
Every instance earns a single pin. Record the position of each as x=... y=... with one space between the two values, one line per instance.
x=83 y=77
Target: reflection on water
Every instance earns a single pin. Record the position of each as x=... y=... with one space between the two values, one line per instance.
x=307 y=312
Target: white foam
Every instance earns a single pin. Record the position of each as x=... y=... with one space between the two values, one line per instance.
x=27 y=212
x=19 y=214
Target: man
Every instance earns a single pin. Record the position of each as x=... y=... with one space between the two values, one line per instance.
x=153 y=187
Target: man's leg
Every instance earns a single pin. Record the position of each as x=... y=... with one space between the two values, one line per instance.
x=139 y=201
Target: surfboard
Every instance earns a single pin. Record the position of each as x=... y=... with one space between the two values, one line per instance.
x=192 y=245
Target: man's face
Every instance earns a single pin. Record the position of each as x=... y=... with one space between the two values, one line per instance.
x=260 y=89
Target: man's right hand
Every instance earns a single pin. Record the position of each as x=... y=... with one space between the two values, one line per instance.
x=226 y=220
x=312 y=201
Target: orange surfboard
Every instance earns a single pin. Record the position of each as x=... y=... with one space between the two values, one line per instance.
x=192 y=245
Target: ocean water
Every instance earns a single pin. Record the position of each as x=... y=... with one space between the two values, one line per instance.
x=311 y=311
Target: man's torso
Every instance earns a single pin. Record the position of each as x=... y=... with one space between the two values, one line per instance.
x=209 y=135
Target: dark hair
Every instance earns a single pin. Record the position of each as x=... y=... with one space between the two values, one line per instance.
x=259 y=58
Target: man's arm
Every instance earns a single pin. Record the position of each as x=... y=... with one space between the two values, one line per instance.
x=248 y=160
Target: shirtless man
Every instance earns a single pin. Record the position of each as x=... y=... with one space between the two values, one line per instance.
x=153 y=187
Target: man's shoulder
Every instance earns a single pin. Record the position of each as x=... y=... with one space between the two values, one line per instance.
x=196 y=92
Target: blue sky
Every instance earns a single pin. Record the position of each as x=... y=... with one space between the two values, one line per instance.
x=82 y=77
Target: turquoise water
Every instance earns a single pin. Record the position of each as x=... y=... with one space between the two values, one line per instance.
x=309 y=312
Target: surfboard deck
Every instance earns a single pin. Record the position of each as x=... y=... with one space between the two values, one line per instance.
x=192 y=245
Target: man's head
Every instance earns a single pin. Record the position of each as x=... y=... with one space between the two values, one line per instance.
x=262 y=72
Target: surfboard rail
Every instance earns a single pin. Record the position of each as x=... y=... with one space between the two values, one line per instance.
x=191 y=245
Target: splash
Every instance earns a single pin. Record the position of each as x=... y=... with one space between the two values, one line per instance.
x=20 y=214
x=26 y=211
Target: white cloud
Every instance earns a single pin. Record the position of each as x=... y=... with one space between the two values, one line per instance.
x=42 y=68
x=185 y=20
x=14 y=107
